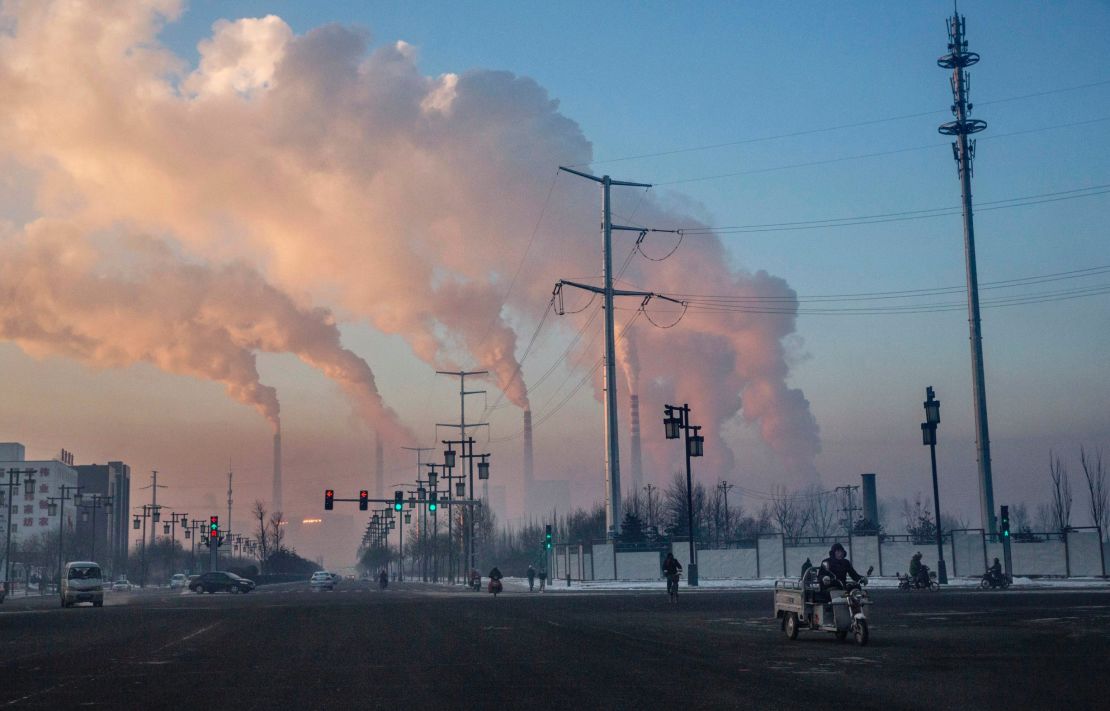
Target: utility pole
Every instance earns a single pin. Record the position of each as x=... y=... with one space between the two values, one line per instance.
x=849 y=511
x=463 y=392
x=650 y=510
x=963 y=150
x=724 y=486
x=612 y=449
x=154 y=508
x=420 y=514
x=229 y=526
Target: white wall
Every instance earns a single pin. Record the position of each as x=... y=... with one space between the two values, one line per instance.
x=770 y=557
x=639 y=565
x=1084 y=553
x=1038 y=558
x=967 y=554
x=603 y=561
x=727 y=563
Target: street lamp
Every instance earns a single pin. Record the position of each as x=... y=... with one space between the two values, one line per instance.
x=29 y=488
x=676 y=421
x=52 y=508
x=929 y=439
x=449 y=458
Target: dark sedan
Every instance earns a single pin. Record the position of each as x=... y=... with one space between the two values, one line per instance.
x=217 y=581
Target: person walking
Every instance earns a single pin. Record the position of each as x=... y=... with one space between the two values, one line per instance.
x=531 y=577
x=543 y=577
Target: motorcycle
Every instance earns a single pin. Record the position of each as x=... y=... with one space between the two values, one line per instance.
x=905 y=582
x=806 y=604
x=476 y=583
x=992 y=581
x=495 y=586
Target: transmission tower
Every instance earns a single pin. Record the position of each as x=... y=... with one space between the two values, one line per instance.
x=958 y=60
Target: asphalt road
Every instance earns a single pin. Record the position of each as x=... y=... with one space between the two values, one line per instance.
x=417 y=646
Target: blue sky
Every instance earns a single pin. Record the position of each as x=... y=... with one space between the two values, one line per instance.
x=648 y=78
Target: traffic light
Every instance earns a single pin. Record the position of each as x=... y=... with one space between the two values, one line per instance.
x=432 y=501
x=547 y=537
x=1005 y=521
x=363 y=500
x=213 y=530
x=398 y=500
x=329 y=499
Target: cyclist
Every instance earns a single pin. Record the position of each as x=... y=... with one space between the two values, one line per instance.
x=671 y=570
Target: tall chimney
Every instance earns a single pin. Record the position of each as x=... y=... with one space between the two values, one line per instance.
x=870 y=499
x=528 y=461
x=379 y=467
x=637 y=455
x=275 y=499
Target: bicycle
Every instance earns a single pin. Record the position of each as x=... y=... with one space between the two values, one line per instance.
x=672 y=586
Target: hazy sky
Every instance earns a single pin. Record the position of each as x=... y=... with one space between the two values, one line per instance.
x=799 y=112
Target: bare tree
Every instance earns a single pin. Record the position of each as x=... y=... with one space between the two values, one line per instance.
x=275 y=527
x=1061 y=493
x=1097 y=490
x=821 y=511
x=788 y=512
x=258 y=511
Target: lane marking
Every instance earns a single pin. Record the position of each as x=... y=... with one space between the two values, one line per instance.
x=186 y=638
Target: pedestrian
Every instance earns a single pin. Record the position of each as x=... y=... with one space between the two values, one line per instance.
x=531 y=577
x=543 y=577
x=806 y=566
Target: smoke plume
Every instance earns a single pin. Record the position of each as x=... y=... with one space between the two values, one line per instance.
x=337 y=173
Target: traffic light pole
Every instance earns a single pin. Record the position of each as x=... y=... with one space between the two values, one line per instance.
x=1005 y=535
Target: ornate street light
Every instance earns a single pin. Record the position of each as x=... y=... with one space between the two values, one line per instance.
x=52 y=510
x=29 y=485
x=672 y=425
x=483 y=469
x=460 y=489
x=696 y=443
x=137 y=523
x=449 y=459
x=166 y=529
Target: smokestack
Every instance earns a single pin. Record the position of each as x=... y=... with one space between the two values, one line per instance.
x=637 y=458
x=528 y=472
x=870 y=500
x=379 y=467
x=275 y=499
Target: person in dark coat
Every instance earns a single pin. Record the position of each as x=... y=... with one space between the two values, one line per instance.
x=543 y=577
x=806 y=566
x=838 y=567
x=531 y=578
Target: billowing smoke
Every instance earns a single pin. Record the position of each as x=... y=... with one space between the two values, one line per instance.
x=114 y=302
x=346 y=177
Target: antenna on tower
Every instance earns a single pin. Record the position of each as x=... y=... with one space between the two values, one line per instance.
x=958 y=59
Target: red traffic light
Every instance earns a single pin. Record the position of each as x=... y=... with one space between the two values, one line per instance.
x=363 y=503
x=329 y=499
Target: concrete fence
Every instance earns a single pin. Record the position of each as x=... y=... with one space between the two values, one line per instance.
x=1079 y=552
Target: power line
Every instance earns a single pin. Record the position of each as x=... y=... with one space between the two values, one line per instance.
x=875 y=154
x=880 y=218
x=837 y=127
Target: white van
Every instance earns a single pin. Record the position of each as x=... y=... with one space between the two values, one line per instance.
x=82 y=581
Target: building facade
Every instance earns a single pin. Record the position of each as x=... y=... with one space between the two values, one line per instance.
x=102 y=529
x=25 y=512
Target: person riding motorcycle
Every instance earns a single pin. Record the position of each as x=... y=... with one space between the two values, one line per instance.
x=495 y=579
x=475 y=578
x=919 y=572
x=837 y=569
x=995 y=571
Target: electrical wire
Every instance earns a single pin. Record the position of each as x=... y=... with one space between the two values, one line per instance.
x=838 y=127
x=875 y=154
x=901 y=216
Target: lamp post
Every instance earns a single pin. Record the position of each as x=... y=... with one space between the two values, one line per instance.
x=28 y=488
x=151 y=511
x=176 y=519
x=467 y=446
x=676 y=423
x=52 y=507
x=929 y=438
x=94 y=502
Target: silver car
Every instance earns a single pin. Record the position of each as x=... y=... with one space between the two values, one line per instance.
x=82 y=581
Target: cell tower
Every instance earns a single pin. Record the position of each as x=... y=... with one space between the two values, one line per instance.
x=958 y=60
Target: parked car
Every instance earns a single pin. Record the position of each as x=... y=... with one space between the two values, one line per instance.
x=220 y=580
x=82 y=581
x=122 y=585
x=321 y=580
x=178 y=581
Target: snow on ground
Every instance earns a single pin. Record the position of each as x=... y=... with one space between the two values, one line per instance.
x=769 y=584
